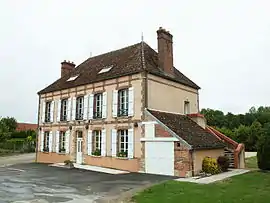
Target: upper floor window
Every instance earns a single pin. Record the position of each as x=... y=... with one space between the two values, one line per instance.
x=123 y=102
x=79 y=108
x=63 y=113
x=186 y=107
x=46 y=141
x=48 y=111
x=98 y=105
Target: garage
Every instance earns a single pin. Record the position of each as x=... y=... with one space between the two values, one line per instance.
x=159 y=156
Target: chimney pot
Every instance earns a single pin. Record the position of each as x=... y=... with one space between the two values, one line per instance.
x=66 y=67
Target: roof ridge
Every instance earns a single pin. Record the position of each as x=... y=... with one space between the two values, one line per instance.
x=107 y=53
x=142 y=55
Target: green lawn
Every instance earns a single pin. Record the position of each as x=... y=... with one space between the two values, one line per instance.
x=247 y=188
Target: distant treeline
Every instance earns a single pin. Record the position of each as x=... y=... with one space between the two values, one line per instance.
x=245 y=128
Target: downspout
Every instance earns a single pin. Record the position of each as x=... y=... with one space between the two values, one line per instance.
x=37 y=136
x=192 y=161
x=145 y=80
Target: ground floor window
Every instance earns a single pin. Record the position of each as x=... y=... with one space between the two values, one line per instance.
x=123 y=143
x=62 y=140
x=96 y=143
x=46 y=141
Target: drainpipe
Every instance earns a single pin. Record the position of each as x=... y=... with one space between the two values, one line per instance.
x=192 y=161
x=38 y=127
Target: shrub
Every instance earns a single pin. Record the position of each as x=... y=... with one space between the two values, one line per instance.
x=122 y=154
x=263 y=153
x=97 y=152
x=223 y=163
x=210 y=165
x=68 y=162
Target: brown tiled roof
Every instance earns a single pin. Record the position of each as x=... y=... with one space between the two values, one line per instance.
x=125 y=61
x=188 y=130
x=26 y=126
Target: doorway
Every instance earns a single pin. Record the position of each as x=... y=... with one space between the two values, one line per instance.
x=79 y=157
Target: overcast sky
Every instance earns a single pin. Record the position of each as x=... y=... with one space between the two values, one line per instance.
x=223 y=46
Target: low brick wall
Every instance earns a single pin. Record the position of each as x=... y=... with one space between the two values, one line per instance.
x=45 y=157
x=132 y=165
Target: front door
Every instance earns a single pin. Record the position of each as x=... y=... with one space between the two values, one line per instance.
x=79 y=158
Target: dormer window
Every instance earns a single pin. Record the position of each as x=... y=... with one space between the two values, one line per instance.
x=106 y=69
x=72 y=78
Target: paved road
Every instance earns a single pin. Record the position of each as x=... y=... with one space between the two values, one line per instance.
x=16 y=159
x=40 y=183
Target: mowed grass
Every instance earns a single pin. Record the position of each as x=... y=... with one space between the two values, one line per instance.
x=252 y=187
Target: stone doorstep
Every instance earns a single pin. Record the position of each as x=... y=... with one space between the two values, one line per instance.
x=213 y=178
x=92 y=168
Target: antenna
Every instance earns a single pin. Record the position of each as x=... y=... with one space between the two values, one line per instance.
x=90 y=53
x=142 y=37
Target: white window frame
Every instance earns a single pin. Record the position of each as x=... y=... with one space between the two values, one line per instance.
x=48 y=106
x=97 y=139
x=46 y=141
x=62 y=141
x=123 y=143
x=79 y=108
x=123 y=102
x=97 y=110
x=64 y=110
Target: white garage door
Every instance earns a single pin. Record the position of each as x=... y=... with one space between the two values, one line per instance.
x=159 y=158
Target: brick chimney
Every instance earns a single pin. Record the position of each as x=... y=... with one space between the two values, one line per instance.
x=165 y=50
x=66 y=67
x=198 y=118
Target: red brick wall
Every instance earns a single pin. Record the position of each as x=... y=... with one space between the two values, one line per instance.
x=182 y=161
x=161 y=132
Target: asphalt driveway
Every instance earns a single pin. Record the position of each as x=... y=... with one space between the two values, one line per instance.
x=40 y=183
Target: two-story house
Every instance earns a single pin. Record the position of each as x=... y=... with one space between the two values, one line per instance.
x=126 y=109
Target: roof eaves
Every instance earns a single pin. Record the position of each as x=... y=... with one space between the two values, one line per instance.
x=174 y=80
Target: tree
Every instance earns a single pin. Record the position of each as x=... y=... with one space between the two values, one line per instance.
x=4 y=131
x=263 y=153
x=10 y=122
x=255 y=134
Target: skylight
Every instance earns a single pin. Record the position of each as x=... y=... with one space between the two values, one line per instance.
x=106 y=69
x=73 y=78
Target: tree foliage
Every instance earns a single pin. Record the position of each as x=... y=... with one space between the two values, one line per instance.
x=245 y=128
x=264 y=149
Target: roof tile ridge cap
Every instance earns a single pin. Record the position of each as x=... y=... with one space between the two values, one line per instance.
x=228 y=139
x=142 y=55
x=207 y=128
x=109 y=52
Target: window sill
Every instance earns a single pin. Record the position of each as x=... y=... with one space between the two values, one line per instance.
x=50 y=122
x=123 y=158
x=94 y=156
x=61 y=153
x=123 y=117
